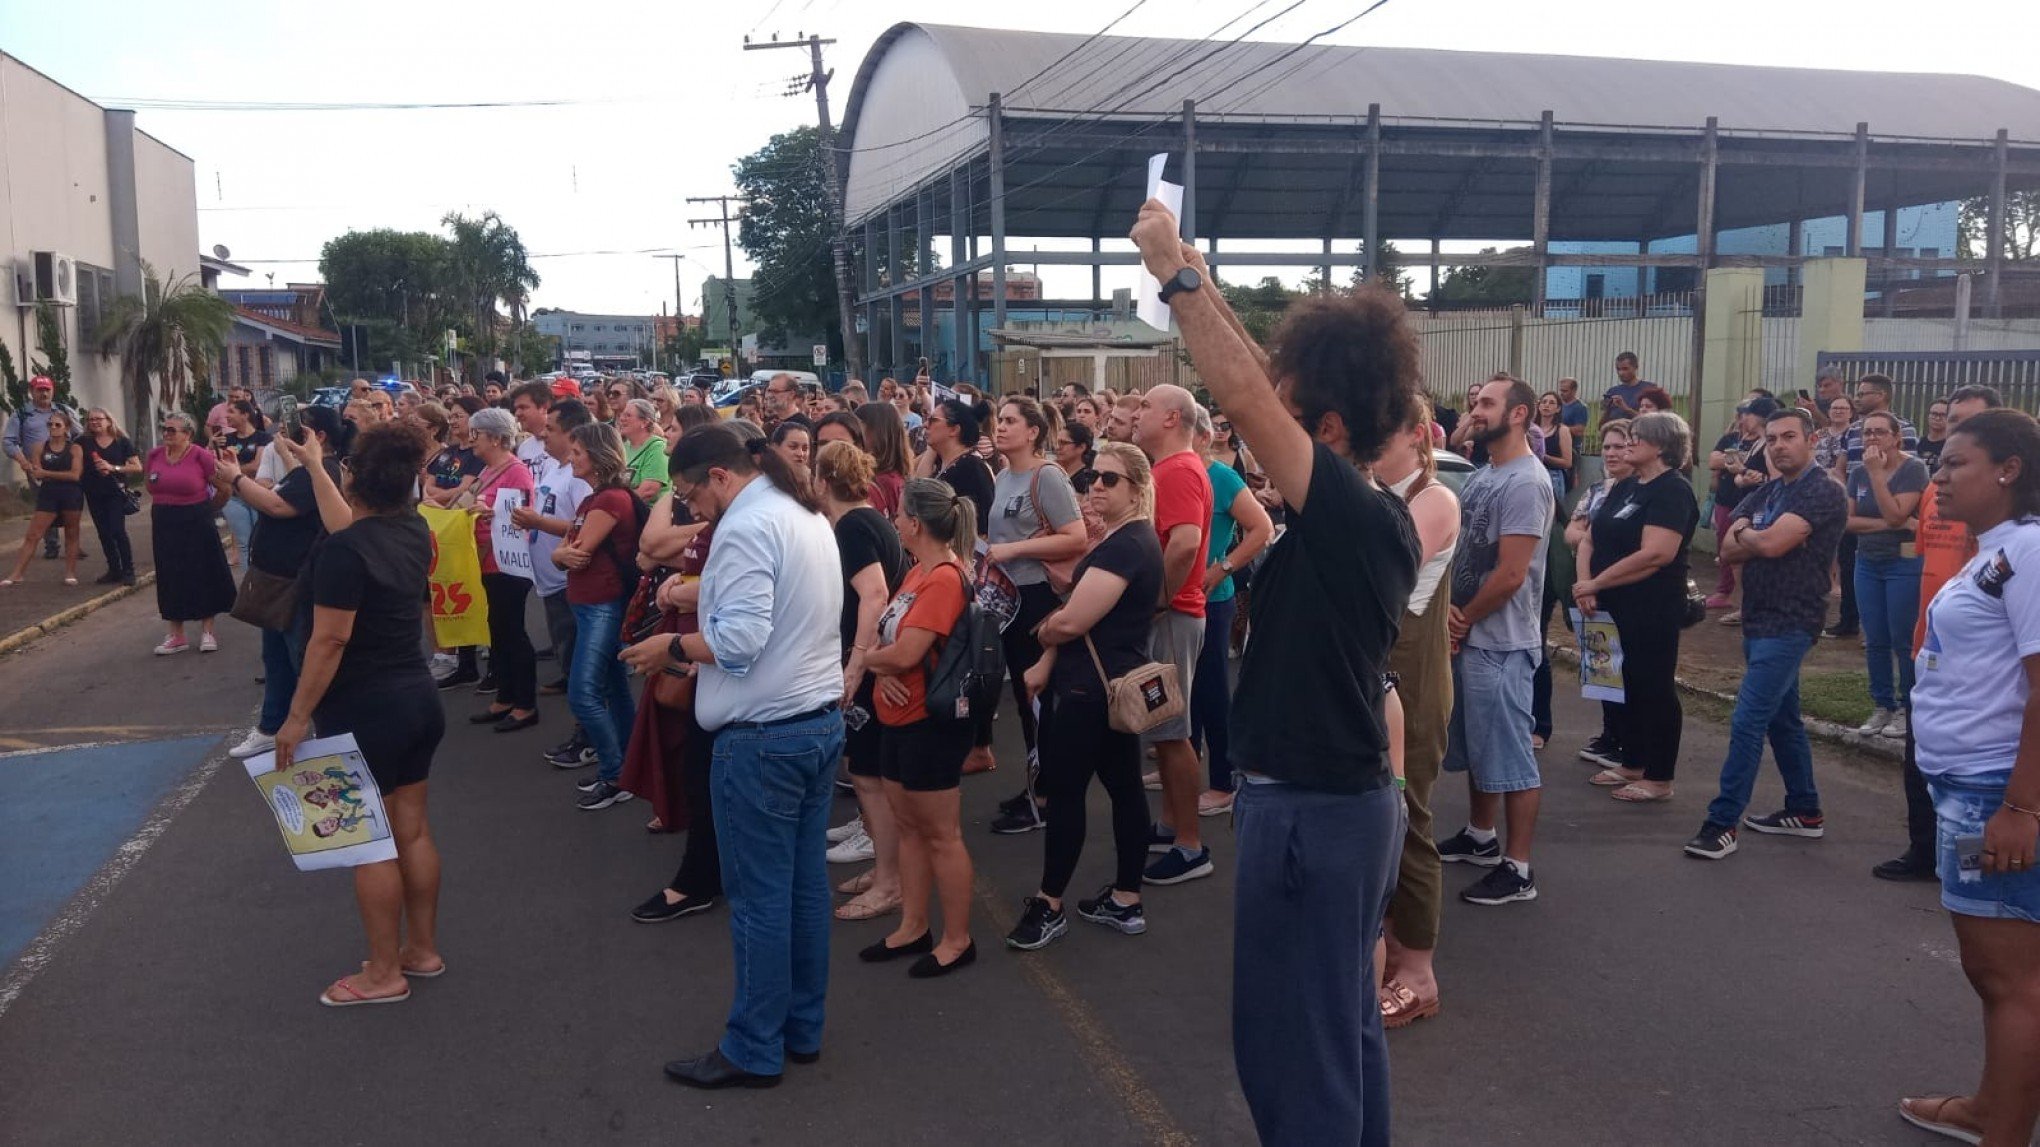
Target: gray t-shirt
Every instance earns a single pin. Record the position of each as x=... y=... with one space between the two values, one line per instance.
x=1016 y=518
x=1513 y=498
x=1909 y=478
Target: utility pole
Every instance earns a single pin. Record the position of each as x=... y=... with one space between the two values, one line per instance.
x=676 y=294
x=729 y=270
x=835 y=168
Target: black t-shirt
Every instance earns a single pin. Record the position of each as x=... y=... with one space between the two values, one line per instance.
x=377 y=567
x=1726 y=492
x=1134 y=552
x=864 y=537
x=281 y=546
x=452 y=464
x=117 y=453
x=247 y=450
x=1930 y=453
x=1667 y=502
x=53 y=459
x=970 y=477
x=1326 y=607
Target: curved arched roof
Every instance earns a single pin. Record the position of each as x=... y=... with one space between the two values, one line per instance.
x=917 y=105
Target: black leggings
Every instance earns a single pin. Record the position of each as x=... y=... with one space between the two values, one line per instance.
x=109 y=517
x=700 y=875
x=512 y=661
x=1022 y=651
x=1077 y=740
x=1651 y=717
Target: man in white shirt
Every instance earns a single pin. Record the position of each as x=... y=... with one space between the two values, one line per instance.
x=769 y=659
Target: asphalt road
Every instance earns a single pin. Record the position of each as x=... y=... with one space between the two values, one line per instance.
x=169 y=996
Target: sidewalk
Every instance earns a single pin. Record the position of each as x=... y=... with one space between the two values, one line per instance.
x=44 y=597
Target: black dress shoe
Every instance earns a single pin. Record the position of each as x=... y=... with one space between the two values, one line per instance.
x=928 y=967
x=712 y=1072
x=516 y=724
x=804 y=1057
x=489 y=716
x=657 y=909
x=107 y=578
x=879 y=953
x=1907 y=867
x=1841 y=631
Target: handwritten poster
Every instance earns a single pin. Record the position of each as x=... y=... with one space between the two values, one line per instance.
x=512 y=545
x=326 y=805
x=1600 y=656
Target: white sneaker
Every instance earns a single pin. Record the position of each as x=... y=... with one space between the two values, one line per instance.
x=851 y=851
x=257 y=742
x=208 y=644
x=1879 y=718
x=849 y=828
x=1896 y=727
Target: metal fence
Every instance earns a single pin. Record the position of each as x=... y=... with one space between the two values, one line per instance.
x=1919 y=377
x=1461 y=348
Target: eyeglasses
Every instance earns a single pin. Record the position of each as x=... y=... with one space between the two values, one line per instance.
x=1110 y=479
x=173 y=430
x=1222 y=427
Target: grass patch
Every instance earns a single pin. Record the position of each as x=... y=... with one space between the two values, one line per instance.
x=1841 y=697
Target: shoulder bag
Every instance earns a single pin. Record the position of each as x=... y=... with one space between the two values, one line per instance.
x=265 y=600
x=1062 y=572
x=1141 y=699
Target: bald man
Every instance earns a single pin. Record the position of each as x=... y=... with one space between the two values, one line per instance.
x=1164 y=423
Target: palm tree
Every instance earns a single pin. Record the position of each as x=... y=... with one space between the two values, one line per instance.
x=164 y=338
x=488 y=265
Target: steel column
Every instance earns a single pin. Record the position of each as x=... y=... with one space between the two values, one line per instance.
x=1884 y=277
x=1854 y=247
x=1994 y=235
x=895 y=273
x=1540 y=214
x=998 y=209
x=959 y=254
x=1188 y=223
x=1370 y=204
x=924 y=263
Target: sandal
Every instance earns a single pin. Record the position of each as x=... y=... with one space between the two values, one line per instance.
x=1913 y=1110
x=1400 y=1007
x=1637 y=794
x=345 y=995
x=863 y=909
x=1613 y=779
x=858 y=884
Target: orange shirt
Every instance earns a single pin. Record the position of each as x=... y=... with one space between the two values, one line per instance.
x=1944 y=548
x=925 y=601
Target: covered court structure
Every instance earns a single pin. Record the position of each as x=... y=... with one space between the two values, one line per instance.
x=958 y=142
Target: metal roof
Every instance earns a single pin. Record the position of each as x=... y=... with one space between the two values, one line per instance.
x=917 y=111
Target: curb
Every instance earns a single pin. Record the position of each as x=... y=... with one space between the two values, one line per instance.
x=51 y=624
x=1827 y=731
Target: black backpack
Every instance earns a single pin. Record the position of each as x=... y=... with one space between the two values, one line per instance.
x=965 y=676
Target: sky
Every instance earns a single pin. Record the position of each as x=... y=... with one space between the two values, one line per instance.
x=664 y=99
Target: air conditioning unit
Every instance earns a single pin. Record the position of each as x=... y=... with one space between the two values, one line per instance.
x=24 y=285
x=56 y=278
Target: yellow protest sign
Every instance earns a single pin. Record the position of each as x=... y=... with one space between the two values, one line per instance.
x=460 y=610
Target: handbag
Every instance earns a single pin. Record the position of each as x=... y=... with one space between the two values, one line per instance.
x=1696 y=606
x=1146 y=696
x=130 y=500
x=265 y=600
x=1062 y=572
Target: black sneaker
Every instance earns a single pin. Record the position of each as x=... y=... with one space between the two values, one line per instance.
x=1782 y=823
x=1160 y=839
x=107 y=578
x=1102 y=909
x=1712 y=842
x=1906 y=867
x=572 y=755
x=458 y=678
x=128 y=578
x=656 y=908
x=601 y=795
x=1015 y=822
x=1504 y=884
x=1175 y=868
x=1039 y=926
x=1604 y=752
x=1840 y=631
x=484 y=685
x=1460 y=848
x=589 y=783
x=1017 y=802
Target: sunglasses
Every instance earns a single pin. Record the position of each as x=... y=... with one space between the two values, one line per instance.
x=173 y=430
x=1110 y=479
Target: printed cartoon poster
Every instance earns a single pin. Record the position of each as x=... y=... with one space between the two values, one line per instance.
x=326 y=805
x=1600 y=656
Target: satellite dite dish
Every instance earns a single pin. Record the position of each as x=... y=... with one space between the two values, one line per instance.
x=220 y=252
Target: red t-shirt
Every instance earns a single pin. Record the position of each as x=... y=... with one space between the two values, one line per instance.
x=515 y=476
x=1944 y=548
x=925 y=601
x=1183 y=498
x=601 y=581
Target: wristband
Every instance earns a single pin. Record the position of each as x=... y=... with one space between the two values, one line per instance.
x=2034 y=813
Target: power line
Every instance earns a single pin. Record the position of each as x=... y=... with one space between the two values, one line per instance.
x=149 y=104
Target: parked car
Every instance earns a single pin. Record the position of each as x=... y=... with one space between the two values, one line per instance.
x=1453 y=470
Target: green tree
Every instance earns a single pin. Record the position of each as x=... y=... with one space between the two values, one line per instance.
x=392 y=285
x=534 y=351
x=786 y=230
x=487 y=264
x=2022 y=227
x=165 y=338
x=1261 y=306
x=1485 y=286
x=56 y=363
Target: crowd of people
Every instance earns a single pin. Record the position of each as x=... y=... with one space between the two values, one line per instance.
x=746 y=613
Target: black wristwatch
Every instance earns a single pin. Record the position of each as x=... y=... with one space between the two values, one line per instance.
x=677 y=651
x=1186 y=279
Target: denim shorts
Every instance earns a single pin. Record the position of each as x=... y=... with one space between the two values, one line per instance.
x=1491 y=719
x=1962 y=805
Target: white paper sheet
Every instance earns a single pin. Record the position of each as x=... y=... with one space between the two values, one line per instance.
x=1148 y=303
x=512 y=545
x=326 y=805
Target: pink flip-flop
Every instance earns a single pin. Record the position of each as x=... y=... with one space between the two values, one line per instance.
x=344 y=995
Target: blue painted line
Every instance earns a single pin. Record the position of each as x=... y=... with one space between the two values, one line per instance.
x=64 y=812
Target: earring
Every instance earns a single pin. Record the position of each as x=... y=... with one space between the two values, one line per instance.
x=2002 y=482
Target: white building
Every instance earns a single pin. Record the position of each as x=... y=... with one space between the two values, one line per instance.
x=98 y=198
x=601 y=340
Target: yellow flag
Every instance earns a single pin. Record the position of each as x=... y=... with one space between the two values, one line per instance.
x=460 y=610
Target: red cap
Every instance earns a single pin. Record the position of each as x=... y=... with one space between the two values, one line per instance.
x=566 y=388
x=41 y=382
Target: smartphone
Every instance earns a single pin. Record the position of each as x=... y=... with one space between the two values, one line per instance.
x=287 y=413
x=1969 y=859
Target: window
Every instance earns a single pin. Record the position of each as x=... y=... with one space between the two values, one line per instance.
x=241 y=361
x=1597 y=286
x=267 y=357
x=95 y=296
x=579 y=327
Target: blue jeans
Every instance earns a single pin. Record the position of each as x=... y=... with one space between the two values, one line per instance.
x=1211 y=694
x=279 y=678
x=1315 y=873
x=1767 y=707
x=598 y=686
x=240 y=518
x=1888 y=600
x=772 y=788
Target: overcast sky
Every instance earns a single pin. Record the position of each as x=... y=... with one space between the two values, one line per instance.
x=666 y=98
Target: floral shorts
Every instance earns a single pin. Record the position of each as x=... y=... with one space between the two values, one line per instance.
x=1962 y=805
